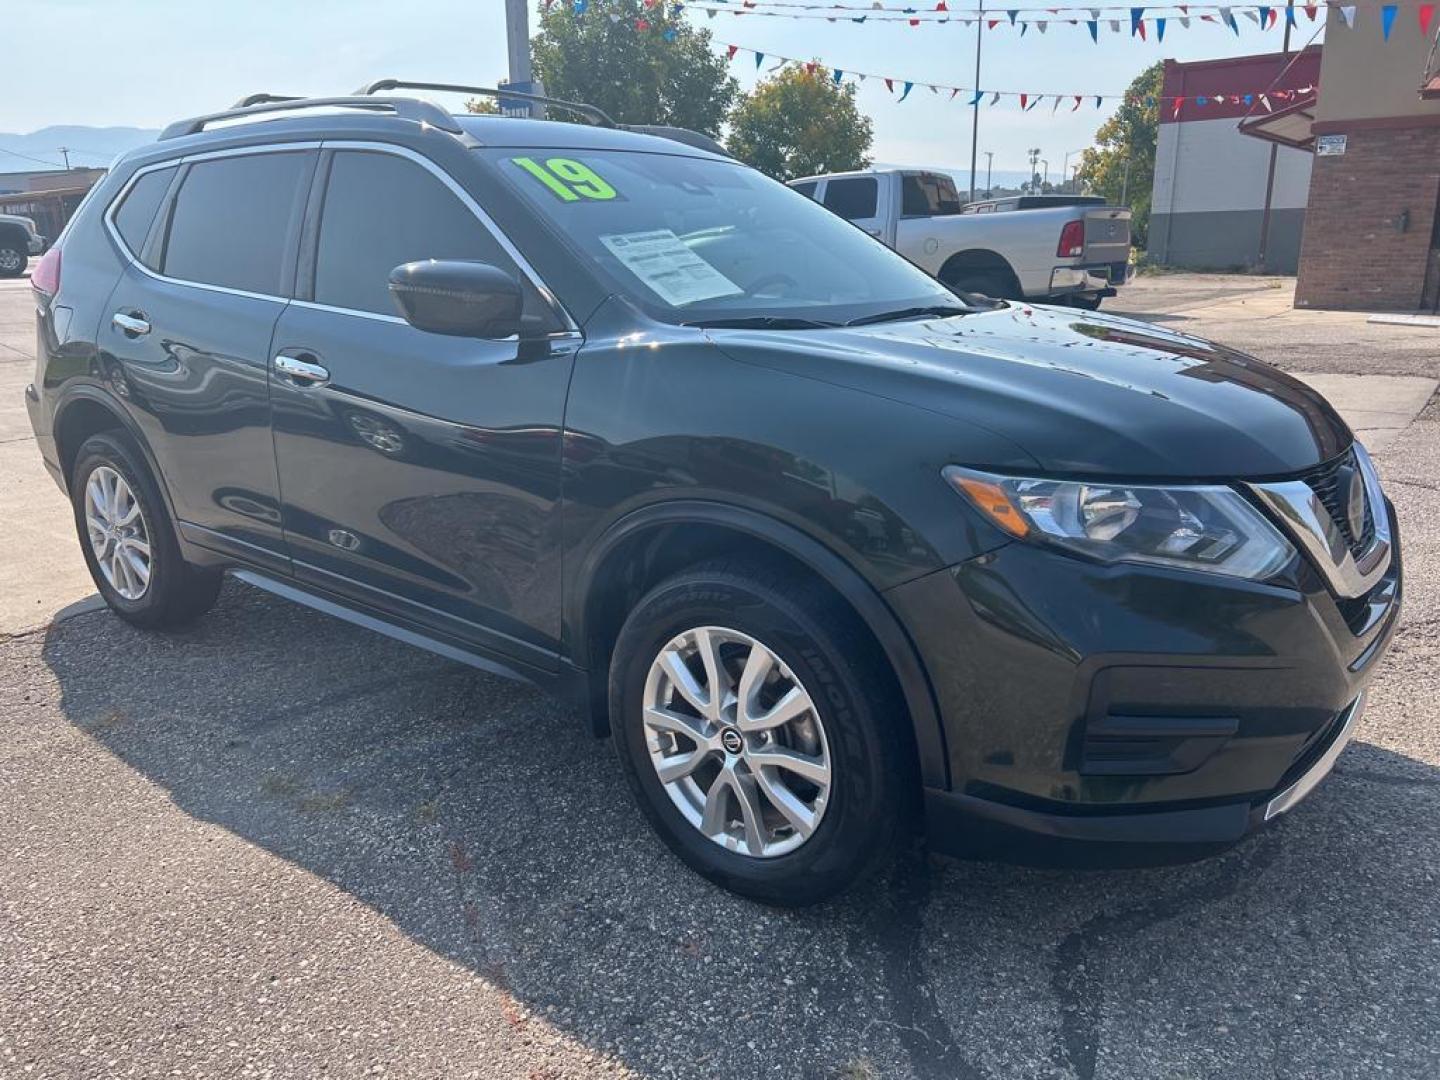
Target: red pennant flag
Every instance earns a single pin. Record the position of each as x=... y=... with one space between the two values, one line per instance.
x=890 y=85
x=1178 y=102
x=641 y=24
x=1426 y=12
x=1077 y=103
x=914 y=22
x=810 y=68
x=730 y=51
x=1024 y=100
x=1310 y=10
x=941 y=6
x=990 y=24
x=953 y=92
x=1141 y=27
x=1184 y=9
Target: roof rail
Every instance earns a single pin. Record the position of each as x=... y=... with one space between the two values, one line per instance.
x=426 y=112
x=577 y=107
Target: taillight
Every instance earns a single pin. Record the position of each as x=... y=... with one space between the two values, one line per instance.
x=45 y=277
x=1072 y=240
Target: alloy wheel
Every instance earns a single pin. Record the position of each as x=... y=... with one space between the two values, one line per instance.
x=736 y=741
x=117 y=531
x=11 y=260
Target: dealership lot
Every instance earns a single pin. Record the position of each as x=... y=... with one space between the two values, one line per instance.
x=280 y=844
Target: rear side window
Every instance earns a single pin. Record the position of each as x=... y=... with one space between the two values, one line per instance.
x=382 y=210
x=137 y=210
x=232 y=219
x=925 y=194
x=853 y=197
x=807 y=189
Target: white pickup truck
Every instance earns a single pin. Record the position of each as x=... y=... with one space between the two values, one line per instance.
x=18 y=241
x=1016 y=249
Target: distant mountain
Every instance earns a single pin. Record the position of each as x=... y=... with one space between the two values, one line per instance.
x=88 y=146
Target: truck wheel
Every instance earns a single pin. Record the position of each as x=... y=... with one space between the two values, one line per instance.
x=1087 y=303
x=760 y=731
x=981 y=284
x=13 y=259
x=128 y=541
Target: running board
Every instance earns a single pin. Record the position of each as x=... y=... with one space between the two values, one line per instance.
x=381 y=626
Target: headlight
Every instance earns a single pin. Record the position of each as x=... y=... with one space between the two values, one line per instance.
x=1195 y=527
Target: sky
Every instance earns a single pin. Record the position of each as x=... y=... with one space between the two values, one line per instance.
x=143 y=63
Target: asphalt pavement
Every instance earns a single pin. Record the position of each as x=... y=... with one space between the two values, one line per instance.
x=277 y=845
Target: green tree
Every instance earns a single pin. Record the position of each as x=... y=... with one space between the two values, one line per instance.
x=640 y=64
x=800 y=122
x=1128 y=136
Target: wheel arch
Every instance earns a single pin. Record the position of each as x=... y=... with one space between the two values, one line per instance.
x=657 y=541
x=982 y=260
x=86 y=411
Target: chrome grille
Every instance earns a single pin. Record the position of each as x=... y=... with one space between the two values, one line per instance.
x=1325 y=481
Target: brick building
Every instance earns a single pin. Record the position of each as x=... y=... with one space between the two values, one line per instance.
x=1372 y=233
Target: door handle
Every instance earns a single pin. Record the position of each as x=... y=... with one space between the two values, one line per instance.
x=131 y=324
x=302 y=372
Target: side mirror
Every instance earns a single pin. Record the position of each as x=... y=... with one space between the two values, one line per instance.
x=457 y=297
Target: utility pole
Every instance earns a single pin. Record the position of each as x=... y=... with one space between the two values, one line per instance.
x=1125 y=185
x=989 y=162
x=65 y=153
x=1046 y=178
x=975 y=108
x=517 y=46
x=1274 y=150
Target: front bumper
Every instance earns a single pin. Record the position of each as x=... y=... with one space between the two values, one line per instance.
x=1121 y=715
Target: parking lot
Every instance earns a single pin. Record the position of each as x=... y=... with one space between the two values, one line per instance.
x=279 y=845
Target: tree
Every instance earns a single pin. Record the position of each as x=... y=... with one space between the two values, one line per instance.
x=800 y=122
x=640 y=64
x=1128 y=137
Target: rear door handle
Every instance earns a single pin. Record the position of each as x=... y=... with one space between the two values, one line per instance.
x=301 y=372
x=132 y=324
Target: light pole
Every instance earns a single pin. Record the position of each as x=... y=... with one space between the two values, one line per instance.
x=1065 y=168
x=1046 y=178
x=989 y=161
x=975 y=108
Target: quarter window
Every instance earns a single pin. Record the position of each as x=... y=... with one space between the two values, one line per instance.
x=852 y=198
x=135 y=213
x=232 y=220
x=807 y=189
x=381 y=211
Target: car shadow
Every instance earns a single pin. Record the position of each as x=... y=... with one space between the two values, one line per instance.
x=489 y=827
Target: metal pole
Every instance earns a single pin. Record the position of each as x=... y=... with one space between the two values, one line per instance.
x=65 y=153
x=517 y=42
x=989 y=166
x=1125 y=185
x=975 y=118
x=1270 y=174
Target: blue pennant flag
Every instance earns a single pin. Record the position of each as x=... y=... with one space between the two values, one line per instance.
x=1202 y=100
x=669 y=34
x=1290 y=14
x=1264 y=13
x=838 y=76
x=758 y=57
x=1098 y=99
x=1136 y=15
x=1249 y=99
x=1023 y=27
x=908 y=87
x=580 y=6
x=1094 y=30
x=1229 y=17
x=1160 y=29
x=1387 y=18
x=1012 y=15
x=978 y=95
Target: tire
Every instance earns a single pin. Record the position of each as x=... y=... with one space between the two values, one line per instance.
x=1085 y=303
x=174 y=592
x=13 y=259
x=980 y=283
x=857 y=726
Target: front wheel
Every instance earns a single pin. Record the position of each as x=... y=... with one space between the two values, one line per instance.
x=13 y=259
x=760 y=731
x=128 y=541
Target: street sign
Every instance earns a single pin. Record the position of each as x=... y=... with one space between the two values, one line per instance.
x=1329 y=145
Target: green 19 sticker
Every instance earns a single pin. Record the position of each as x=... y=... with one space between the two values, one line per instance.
x=568 y=180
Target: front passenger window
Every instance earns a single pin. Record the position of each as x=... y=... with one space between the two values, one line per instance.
x=382 y=210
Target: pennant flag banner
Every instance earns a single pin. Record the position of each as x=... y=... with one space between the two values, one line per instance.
x=1020 y=19
x=1026 y=99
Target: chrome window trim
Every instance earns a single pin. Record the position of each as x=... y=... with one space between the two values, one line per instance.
x=496 y=233
x=1309 y=523
x=177 y=162
x=571 y=329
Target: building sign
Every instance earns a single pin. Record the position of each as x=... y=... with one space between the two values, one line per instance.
x=1329 y=145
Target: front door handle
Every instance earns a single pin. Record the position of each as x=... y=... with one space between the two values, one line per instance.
x=132 y=324
x=301 y=372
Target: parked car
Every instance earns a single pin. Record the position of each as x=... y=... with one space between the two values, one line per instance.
x=18 y=241
x=1074 y=253
x=833 y=556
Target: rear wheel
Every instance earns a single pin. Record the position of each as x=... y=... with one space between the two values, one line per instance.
x=981 y=283
x=13 y=258
x=128 y=540
x=759 y=731
x=1087 y=303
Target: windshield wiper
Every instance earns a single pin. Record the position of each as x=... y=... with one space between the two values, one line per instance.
x=762 y=322
x=909 y=313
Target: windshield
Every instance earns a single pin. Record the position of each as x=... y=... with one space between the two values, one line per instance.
x=696 y=240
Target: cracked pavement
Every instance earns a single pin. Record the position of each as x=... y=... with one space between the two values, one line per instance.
x=278 y=845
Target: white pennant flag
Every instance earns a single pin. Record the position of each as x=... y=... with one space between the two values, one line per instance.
x=1056 y=105
x=1185 y=21
x=1041 y=25
x=1115 y=26
x=1347 y=12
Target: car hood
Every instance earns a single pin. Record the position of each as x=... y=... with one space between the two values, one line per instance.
x=1081 y=393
